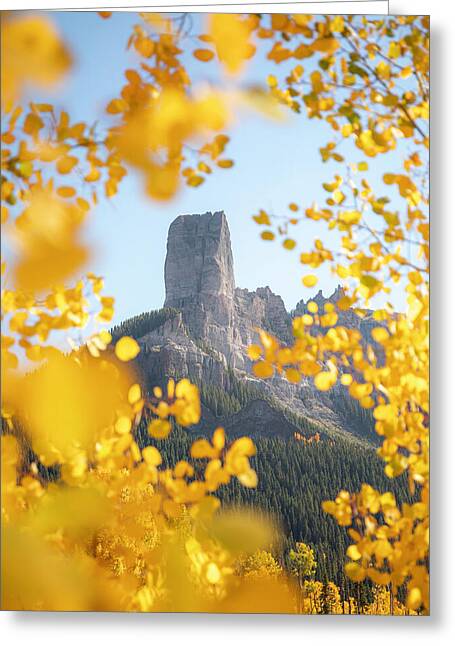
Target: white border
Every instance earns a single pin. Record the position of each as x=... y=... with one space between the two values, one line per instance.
x=342 y=6
x=70 y=629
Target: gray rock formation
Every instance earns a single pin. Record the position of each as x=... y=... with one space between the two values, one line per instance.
x=347 y=318
x=208 y=339
x=199 y=281
x=199 y=264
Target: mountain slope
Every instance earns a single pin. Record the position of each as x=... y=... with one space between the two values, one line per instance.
x=205 y=328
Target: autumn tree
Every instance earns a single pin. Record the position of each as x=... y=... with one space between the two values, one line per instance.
x=370 y=83
x=303 y=567
x=367 y=78
x=258 y=565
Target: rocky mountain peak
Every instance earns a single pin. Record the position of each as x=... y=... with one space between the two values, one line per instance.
x=320 y=299
x=209 y=323
x=199 y=259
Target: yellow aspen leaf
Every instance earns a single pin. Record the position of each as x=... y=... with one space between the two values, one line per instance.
x=325 y=380
x=244 y=446
x=183 y=469
x=293 y=207
x=338 y=197
x=415 y=277
x=31 y=52
x=203 y=449
x=204 y=55
x=213 y=573
x=310 y=280
x=159 y=428
x=312 y=307
x=329 y=319
x=66 y=191
x=358 y=391
x=414 y=598
x=144 y=46
x=225 y=163
x=366 y=402
x=230 y=35
x=350 y=217
x=248 y=478
x=337 y=24
x=268 y=235
x=355 y=572
x=379 y=334
x=134 y=394
x=389 y=178
x=254 y=352
x=83 y=204
x=205 y=168
x=123 y=425
x=44 y=107
x=325 y=45
x=33 y=124
x=346 y=379
x=93 y=175
x=157 y=392
x=344 y=303
x=170 y=389
x=353 y=553
x=66 y=164
x=195 y=180
x=289 y=244
x=162 y=182
x=152 y=456
x=48 y=230
x=263 y=369
x=293 y=375
x=394 y=50
x=127 y=348
x=262 y=218
x=110 y=188
x=117 y=106
x=219 y=439
x=8 y=138
x=385 y=412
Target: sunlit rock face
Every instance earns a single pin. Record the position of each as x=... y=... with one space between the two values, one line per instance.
x=199 y=262
x=199 y=281
x=207 y=340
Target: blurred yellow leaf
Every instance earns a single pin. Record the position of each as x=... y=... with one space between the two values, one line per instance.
x=127 y=348
x=231 y=37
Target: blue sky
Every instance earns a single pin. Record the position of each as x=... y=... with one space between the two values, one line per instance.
x=275 y=163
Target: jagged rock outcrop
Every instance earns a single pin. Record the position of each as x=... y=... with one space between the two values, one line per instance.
x=207 y=340
x=347 y=318
x=199 y=281
x=199 y=260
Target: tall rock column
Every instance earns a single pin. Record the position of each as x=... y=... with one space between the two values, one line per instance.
x=199 y=277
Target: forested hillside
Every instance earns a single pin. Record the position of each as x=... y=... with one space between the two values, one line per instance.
x=295 y=478
x=223 y=402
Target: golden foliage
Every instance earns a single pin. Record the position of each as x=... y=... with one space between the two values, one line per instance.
x=118 y=530
x=391 y=378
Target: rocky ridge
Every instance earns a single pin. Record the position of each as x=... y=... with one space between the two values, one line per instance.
x=215 y=321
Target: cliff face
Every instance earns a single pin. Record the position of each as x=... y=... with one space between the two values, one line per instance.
x=199 y=264
x=208 y=339
x=347 y=318
x=199 y=281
